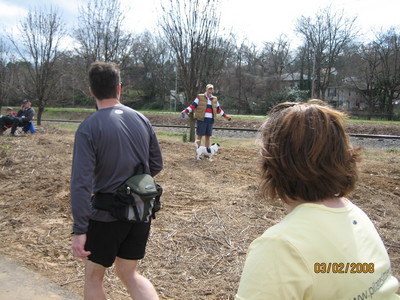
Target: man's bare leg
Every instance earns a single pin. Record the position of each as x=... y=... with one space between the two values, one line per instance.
x=94 y=274
x=139 y=287
x=198 y=141
x=208 y=141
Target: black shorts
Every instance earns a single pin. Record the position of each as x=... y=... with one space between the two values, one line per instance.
x=204 y=128
x=107 y=240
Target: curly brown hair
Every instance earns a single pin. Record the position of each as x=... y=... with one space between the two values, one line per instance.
x=306 y=154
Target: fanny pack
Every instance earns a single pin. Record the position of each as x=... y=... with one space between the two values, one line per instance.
x=136 y=200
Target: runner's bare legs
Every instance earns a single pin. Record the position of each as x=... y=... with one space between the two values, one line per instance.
x=139 y=287
x=94 y=275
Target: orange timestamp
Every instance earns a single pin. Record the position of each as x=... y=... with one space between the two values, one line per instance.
x=344 y=268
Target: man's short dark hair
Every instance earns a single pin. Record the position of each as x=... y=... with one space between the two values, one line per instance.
x=104 y=78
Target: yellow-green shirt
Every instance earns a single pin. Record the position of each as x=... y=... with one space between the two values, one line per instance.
x=319 y=253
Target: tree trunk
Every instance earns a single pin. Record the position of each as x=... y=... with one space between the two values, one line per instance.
x=389 y=108
x=39 y=115
x=370 y=108
x=192 y=132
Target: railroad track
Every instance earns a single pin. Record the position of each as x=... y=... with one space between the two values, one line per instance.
x=359 y=135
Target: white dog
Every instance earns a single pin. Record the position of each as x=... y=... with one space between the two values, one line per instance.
x=202 y=150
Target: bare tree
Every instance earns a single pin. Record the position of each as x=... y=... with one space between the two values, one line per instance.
x=6 y=74
x=191 y=29
x=275 y=56
x=40 y=34
x=303 y=63
x=360 y=64
x=100 y=36
x=159 y=65
x=326 y=36
x=275 y=59
x=241 y=81
x=237 y=87
x=70 y=89
x=388 y=76
x=100 y=32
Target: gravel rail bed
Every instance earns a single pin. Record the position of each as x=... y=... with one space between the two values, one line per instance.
x=374 y=143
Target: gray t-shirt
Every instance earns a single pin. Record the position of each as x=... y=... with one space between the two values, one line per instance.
x=108 y=146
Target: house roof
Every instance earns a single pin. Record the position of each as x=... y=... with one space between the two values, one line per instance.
x=293 y=76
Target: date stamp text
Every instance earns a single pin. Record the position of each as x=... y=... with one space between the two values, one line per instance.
x=344 y=268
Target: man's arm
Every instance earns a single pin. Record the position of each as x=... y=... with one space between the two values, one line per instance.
x=155 y=156
x=222 y=113
x=83 y=165
x=191 y=107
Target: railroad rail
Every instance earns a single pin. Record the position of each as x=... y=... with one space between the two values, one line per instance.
x=359 y=135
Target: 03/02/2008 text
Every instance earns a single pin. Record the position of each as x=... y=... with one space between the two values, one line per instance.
x=344 y=268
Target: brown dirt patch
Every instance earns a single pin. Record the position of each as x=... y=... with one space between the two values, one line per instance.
x=198 y=243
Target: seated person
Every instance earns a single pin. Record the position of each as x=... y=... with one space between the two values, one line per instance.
x=7 y=120
x=326 y=247
x=11 y=112
x=24 y=117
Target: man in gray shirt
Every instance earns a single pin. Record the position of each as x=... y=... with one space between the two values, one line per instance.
x=109 y=145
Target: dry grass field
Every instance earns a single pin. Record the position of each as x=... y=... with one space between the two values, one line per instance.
x=211 y=211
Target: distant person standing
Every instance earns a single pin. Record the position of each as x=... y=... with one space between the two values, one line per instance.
x=205 y=107
x=109 y=145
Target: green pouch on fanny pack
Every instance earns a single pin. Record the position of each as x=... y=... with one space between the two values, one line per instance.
x=137 y=199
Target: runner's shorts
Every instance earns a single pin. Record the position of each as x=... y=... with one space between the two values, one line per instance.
x=108 y=240
x=204 y=128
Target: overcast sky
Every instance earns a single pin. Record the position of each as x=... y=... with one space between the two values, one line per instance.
x=256 y=20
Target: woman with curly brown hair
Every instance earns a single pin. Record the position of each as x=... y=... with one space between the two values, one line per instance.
x=326 y=247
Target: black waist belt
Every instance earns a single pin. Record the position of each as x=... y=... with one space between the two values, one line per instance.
x=103 y=201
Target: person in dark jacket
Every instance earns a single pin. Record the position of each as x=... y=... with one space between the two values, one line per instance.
x=108 y=146
x=7 y=120
x=24 y=117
